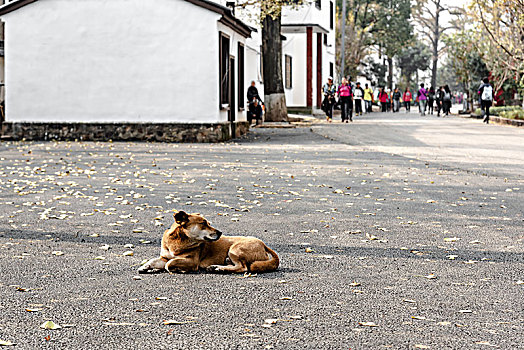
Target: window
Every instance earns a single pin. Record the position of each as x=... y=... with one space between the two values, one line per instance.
x=289 y=72
x=224 y=69
x=240 y=75
x=331 y=15
x=331 y=69
x=318 y=4
x=325 y=40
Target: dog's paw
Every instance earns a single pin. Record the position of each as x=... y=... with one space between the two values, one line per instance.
x=147 y=269
x=214 y=268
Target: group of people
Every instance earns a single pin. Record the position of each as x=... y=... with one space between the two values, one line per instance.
x=349 y=98
x=426 y=99
x=357 y=98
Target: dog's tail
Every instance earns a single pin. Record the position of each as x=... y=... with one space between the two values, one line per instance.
x=266 y=265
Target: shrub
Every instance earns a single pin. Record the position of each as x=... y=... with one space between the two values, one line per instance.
x=511 y=112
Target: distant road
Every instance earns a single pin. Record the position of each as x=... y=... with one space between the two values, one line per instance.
x=452 y=141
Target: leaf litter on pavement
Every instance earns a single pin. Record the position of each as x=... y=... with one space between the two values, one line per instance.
x=134 y=197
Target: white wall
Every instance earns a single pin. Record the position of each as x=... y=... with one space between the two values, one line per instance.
x=112 y=61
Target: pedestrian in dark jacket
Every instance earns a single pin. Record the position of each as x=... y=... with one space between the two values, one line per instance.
x=252 y=92
x=329 y=90
x=396 y=100
x=254 y=112
x=446 y=100
x=439 y=96
x=486 y=96
x=431 y=99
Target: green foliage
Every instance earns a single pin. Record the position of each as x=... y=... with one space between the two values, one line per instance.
x=465 y=62
x=384 y=24
x=510 y=112
x=392 y=31
x=413 y=57
x=374 y=72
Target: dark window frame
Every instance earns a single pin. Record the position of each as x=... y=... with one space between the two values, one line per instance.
x=223 y=62
x=240 y=75
x=331 y=15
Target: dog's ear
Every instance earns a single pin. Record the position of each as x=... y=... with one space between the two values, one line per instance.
x=181 y=218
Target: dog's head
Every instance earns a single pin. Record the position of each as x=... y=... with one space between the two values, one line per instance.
x=196 y=227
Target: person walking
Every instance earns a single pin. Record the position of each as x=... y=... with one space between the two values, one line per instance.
x=344 y=93
x=446 y=100
x=486 y=96
x=329 y=90
x=368 y=99
x=422 y=99
x=396 y=100
x=358 y=94
x=383 y=99
x=439 y=96
x=407 y=99
x=431 y=99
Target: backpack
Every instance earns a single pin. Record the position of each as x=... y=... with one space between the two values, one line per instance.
x=447 y=96
x=487 y=93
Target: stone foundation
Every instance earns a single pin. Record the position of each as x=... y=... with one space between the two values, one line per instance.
x=160 y=132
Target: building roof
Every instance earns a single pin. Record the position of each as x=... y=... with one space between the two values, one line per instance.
x=301 y=28
x=227 y=19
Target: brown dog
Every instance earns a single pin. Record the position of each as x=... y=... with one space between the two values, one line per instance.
x=191 y=244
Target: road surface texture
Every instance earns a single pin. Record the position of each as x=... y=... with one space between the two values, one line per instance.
x=394 y=232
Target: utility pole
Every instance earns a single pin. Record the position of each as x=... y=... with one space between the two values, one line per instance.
x=343 y=48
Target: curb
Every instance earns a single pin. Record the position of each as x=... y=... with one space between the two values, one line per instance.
x=500 y=120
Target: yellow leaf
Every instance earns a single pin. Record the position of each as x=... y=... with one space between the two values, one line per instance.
x=50 y=325
x=6 y=343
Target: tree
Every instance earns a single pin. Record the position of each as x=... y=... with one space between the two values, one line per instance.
x=411 y=59
x=392 y=31
x=270 y=16
x=374 y=72
x=428 y=15
x=466 y=61
x=274 y=96
x=358 y=24
x=500 y=33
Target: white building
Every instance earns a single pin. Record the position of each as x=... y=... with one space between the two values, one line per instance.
x=130 y=69
x=308 y=51
x=173 y=70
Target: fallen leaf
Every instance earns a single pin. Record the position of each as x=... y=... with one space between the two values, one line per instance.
x=270 y=320
x=368 y=324
x=485 y=343
x=418 y=317
x=128 y=253
x=6 y=343
x=174 y=322
x=50 y=325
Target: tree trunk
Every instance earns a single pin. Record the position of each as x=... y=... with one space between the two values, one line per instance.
x=274 y=96
x=390 y=73
x=436 y=37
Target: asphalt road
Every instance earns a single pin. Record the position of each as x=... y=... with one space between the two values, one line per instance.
x=381 y=245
